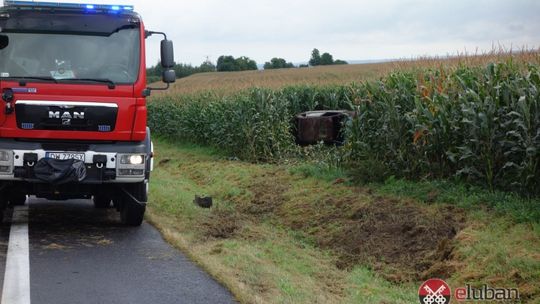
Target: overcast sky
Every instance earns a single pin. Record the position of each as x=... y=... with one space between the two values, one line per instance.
x=348 y=29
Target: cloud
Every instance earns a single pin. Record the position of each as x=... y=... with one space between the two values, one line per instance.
x=349 y=29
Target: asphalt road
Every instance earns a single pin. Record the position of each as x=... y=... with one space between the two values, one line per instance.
x=77 y=254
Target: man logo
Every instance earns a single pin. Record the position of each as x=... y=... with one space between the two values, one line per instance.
x=66 y=115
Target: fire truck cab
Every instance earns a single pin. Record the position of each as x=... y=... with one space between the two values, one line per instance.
x=73 y=105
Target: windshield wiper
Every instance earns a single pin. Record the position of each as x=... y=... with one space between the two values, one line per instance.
x=23 y=78
x=109 y=82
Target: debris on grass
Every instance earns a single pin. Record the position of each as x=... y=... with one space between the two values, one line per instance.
x=203 y=202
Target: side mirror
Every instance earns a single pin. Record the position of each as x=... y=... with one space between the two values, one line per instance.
x=4 y=41
x=167 y=63
x=167 y=54
x=169 y=76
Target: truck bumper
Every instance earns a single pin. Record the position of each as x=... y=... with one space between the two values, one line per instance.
x=105 y=162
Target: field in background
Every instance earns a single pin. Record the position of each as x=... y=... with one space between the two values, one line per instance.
x=225 y=83
x=231 y=82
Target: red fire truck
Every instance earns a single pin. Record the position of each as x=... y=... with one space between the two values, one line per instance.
x=73 y=105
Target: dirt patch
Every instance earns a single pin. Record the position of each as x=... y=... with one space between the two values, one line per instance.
x=266 y=198
x=267 y=195
x=221 y=224
x=400 y=239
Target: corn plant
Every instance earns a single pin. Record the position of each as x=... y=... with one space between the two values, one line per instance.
x=474 y=123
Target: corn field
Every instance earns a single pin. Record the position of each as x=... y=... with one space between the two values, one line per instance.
x=477 y=124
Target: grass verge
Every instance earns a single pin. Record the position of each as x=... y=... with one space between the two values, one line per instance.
x=304 y=235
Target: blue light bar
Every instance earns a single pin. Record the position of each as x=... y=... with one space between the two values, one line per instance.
x=116 y=8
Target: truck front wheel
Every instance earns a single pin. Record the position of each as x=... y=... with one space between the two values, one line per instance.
x=3 y=205
x=132 y=212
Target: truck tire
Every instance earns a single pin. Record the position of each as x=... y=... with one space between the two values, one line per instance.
x=3 y=205
x=102 y=202
x=17 y=199
x=132 y=213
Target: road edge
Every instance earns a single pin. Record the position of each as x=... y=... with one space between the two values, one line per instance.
x=180 y=242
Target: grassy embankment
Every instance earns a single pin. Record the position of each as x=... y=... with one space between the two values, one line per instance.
x=294 y=234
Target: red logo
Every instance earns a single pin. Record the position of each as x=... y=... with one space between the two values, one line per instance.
x=434 y=291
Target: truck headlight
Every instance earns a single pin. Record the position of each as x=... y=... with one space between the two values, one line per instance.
x=136 y=159
x=5 y=155
x=6 y=162
x=132 y=159
x=131 y=165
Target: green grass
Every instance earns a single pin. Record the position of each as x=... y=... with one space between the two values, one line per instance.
x=370 y=288
x=500 y=252
x=464 y=196
x=521 y=208
x=319 y=172
x=268 y=260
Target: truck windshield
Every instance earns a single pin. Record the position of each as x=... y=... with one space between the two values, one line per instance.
x=65 y=56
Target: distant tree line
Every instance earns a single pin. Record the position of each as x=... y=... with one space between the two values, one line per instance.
x=316 y=59
x=181 y=70
x=227 y=63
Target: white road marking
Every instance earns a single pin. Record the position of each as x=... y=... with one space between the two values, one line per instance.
x=17 y=278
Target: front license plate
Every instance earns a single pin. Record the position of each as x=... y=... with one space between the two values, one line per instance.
x=65 y=155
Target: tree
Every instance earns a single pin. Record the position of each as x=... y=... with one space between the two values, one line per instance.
x=245 y=64
x=184 y=70
x=230 y=64
x=226 y=64
x=327 y=59
x=207 y=66
x=278 y=63
x=156 y=70
x=155 y=73
x=324 y=59
x=315 y=58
